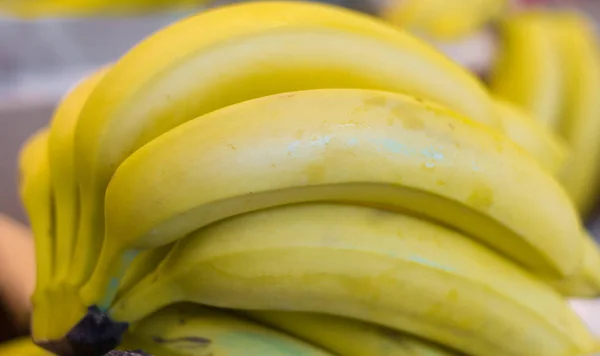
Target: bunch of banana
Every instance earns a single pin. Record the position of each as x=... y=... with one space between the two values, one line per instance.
x=254 y=158
x=549 y=65
x=443 y=19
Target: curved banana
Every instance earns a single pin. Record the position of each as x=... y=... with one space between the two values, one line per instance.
x=381 y=267
x=543 y=145
x=193 y=330
x=443 y=19
x=528 y=70
x=580 y=125
x=36 y=195
x=344 y=145
x=22 y=347
x=247 y=51
x=62 y=167
x=348 y=337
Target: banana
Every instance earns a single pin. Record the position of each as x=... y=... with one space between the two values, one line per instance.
x=348 y=337
x=22 y=347
x=528 y=70
x=585 y=284
x=543 y=145
x=344 y=145
x=62 y=167
x=193 y=330
x=246 y=51
x=36 y=194
x=443 y=19
x=580 y=125
x=358 y=262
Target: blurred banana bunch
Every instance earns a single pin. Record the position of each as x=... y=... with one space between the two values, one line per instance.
x=549 y=65
x=44 y=8
x=443 y=19
x=253 y=173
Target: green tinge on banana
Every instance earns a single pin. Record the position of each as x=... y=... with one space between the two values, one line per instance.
x=246 y=51
x=359 y=146
x=348 y=337
x=528 y=69
x=194 y=330
x=358 y=262
x=539 y=141
x=443 y=19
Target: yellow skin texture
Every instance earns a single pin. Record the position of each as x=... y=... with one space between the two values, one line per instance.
x=246 y=51
x=443 y=19
x=193 y=330
x=380 y=267
x=348 y=337
x=360 y=146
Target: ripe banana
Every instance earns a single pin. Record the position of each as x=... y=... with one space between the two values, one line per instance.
x=193 y=330
x=36 y=195
x=380 y=267
x=528 y=69
x=246 y=51
x=580 y=124
x=348 y=337
x=443 y=19
x=345 y=145
x=62 y=167
x=540 y=142
x=22 y=347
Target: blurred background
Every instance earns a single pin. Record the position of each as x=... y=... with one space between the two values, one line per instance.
x=43 y=55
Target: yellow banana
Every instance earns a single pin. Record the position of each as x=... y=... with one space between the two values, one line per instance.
x=36 y=195
x=580 y=125
x=22 y=347
x=345 y=145
x=443 y=19
x=380 y=267
x=62 y=167
x=543 y=145
x=528 y=69
x=193 y=330
x=348 y=337
x=246 y=51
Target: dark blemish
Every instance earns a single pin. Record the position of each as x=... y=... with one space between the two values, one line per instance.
x=451 y=125
x=419 y=100
x=198 y=341
x=155 y=278
x=231 y=146
x=182 y=321
x=288 y=95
